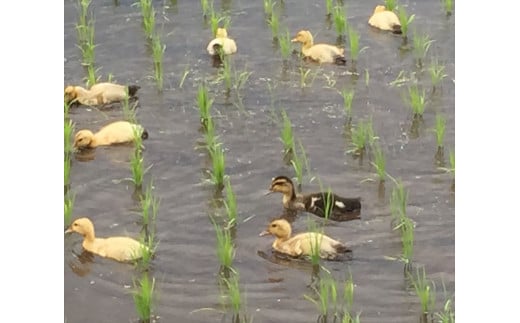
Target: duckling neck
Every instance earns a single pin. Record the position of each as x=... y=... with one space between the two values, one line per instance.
x=81 y=91
x=289 y=198
x=89 y=240
x=307 y=45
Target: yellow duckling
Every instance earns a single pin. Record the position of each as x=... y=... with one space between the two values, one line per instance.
x=302 y=243
x=385 y=20
x=221 y=41
x=98 y=94
x=118 y=248
x=114 y=133
x=321 y=53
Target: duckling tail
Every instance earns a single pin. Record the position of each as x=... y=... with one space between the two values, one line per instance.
x=144 y=135
x=341 y=248
x=132 y=89
x=339 y=60
x=396 y=29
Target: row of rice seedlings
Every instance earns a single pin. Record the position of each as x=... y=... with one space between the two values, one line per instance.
x=148 y=13
x=286 y=136
x=405 y=21
x=158 y=49
x=426 y=291
x=436 y=72
x=144 y=296
x=416 y=100
x=340 y=23
x=363 y=136
x=274 y=23
x=421 y=44
x=390 y=5
x=448 y=6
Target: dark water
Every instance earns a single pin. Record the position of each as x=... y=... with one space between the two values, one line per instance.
x=186 y=266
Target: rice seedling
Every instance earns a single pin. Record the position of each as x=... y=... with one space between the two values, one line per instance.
x=225 y=247
x=448 y=6
x=206 y=7
x=284 y=40
x=421 y=44
x=451 y=169
x=68 y=131
x=362 y=137
x=91 y=76
x=315 y=243
x=225 y=74
x=353 y=37
x=398 y=201
x=286 y=136
x=425 y=290
x=348 y=97
x=440 y=128
x=231 y=205
x=447 y=315
x=326 y=293
x=143 y=295
x=234 y=295
x=390 y=4
x=86 y=34
x=129 y=113
x=348 y=294
x=405 y=22
x=69 y=207
x=218 y=159
x=268 y=7
x=436 y=72
x=328 y=7
x=209 y=136
x=184 y=75
x=204 y=103
x=304 y=74
x=340 y=22
x=148 y=13
x=240 y=78
x=215 y=19
x=416 y=100
x=348 y=318
x=158 y=49
x=274 y=23
x=379 y=162
x=407 y=240
x=299 y=161
x=66 y=168
x=83 y=9
x=137 y=167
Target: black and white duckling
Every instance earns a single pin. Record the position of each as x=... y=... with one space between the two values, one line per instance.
x=343 y=209
x=302 y=244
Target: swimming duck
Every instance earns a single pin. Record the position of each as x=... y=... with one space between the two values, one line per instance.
x=98 y=94
x=114 y=133
x=385 y=20
x=322 y=53
x=118 y=248
x=222 y=41
x=343 y=209
x=302 y=244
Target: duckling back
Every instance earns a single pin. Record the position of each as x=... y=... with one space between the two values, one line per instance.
x=111 y=92
x=305 y=243
x=325 y=53
x=119 y=248
x=119 y=132
x=385 y=20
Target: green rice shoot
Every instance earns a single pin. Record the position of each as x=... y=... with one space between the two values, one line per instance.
x=440 y=128
x=446 y=315
x=234 y=295
x=225 y=247
x=416 y=100
x=390 y=5
x=284 y=40
x=204 y=102
x=436 y=72
x=328 y=7
x=315 y=243
x=218 y=160
x=158 y=49
x=286 y=134
x=353 y=37
x=274 y=23
x=68 y=208
x=448 y=6
x=68 y=132
x=348 y=97
x=379 y=162
x=421 y=44
x=231 y=205
x=143 y=295
x=425 y=290
x=340 y=21
x=405 y=20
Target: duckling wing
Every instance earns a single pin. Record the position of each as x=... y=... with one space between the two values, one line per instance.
x=123 y=248
x=117 y=132
x=343 y=208
x=230 y=47
x=110 y=92
x=328 y=247
x=211 y=45
x=385 y=20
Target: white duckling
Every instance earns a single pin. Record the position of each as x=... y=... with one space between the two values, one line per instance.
x=118 y=248
x=385 y=20
x=114 y=133
x=221 y=41
x=321 y=53
x=99 y=94
x=302 y=244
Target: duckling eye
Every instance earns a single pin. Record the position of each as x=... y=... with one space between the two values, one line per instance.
x=273 y=225
x=75 y=224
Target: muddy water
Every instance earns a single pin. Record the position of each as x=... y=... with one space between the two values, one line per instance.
x=98 y=290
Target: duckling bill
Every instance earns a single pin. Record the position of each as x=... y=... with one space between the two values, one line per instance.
x=303 y=244
x=343 y=208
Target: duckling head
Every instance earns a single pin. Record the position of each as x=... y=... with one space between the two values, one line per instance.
x=70 y=93
x=303 y=36
x=282 y=184
x=221 y=33
x=83 y=226
x=83 y=139
x=379 y=8
x=279 y=228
